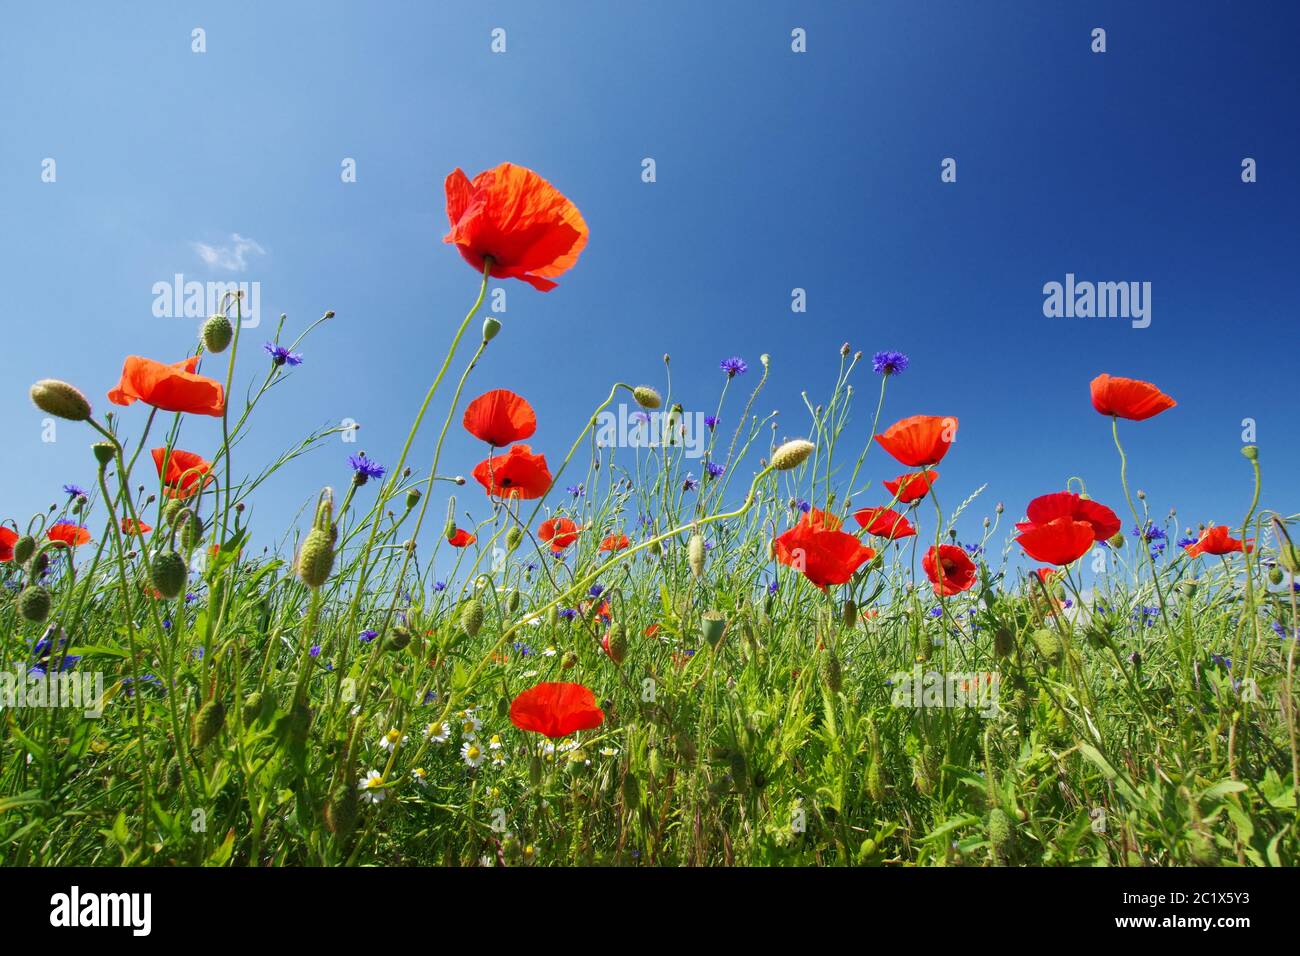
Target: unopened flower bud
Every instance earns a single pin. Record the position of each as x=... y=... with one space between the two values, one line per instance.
x=647 y=397
x=1251 y=452
x=168 y=574
x=471 y=617
x=34 y=603
x=792 y=454
x=60 y=400
x=217 y=333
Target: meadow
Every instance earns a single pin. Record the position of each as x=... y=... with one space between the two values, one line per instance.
x=721 y=645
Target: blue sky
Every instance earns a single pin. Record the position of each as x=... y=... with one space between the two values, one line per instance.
x=775 y=171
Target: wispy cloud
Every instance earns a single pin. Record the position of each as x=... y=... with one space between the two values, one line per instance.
x=232 y=258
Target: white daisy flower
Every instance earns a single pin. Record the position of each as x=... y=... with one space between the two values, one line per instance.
x=609 y=751
x=372 y=787
x=498 y=758
x=495 y=742
x=469 y=725
x=438 y=733
x=391 y=739
x=471 y=753
x=549 y=652
x=420 y=776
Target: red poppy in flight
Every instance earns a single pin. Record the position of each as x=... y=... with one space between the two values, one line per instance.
x=516 y=474
x=519 y=220
x=171 y=388
x=1129 y=398
x=500 y=418
x=919 y=440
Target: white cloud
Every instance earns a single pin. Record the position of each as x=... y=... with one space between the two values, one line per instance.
x=232 y=258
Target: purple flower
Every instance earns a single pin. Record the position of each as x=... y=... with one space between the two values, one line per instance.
x=576 y=490
x=364 y=469
x=734 y=366
x=439 y=586
x=803 y=505
x=368 y=635
x=710 y=422
x=641 y=417
x=772 y=587
x=889 y=363
x=596 y=590
x=315 y=650
x=281 y=355
x=568 y=613
x=691 y=482
x=714 y=470
x=74 y=491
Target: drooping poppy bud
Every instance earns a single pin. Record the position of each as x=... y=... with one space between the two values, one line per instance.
x=24 y=548
x=792 y=454
x=60 y=400
x=647 y=397
x=217 y=333
x=514 y=537
x=208 y=722
x=168 y=574
x=34 y=603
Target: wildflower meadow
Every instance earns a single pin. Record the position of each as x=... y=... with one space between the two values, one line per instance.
x=682 y=628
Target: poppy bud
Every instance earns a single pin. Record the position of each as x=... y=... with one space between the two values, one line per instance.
x=491 y=326
x=1187 y=589
x=616 y=643
x=191 y=530
x=1116 y=540
x=647 y=397
x=173 y=511
x=398 y=638
x=60 y=400
x=34 y=603
x=535 y=770
x=850 y=616
x=792 y=454
x=449 y=530
x=831 y=673
x=514 y=537
x=1274 y=575
x=168 y=574
x=217 y=333
x=24 y=547
x=999 y=832
x=695 y=555
x=1048 y=644
x=1288 y=555
x=471 y=617
x=316 y=559
x=254 y=705
x=569 y=661
x=40 y=561
x=712 y=624
x=103 y=451
x=1004 y=642
x=208 y=722
x=1251 y=452
x=513 y=603
x=341 y=810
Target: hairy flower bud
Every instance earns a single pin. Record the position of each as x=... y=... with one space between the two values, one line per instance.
x=471 y=617
x=24 y=548
x=695 y=554
x=514 y=537
x=168 y=573
x=60 y=400
x=647 y=397
x=792 y=454
x=34 y=603
x=217 y=333
x=208 y=722
x=316 y=558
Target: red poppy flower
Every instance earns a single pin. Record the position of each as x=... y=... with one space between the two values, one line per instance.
x=919 y=440
x=1217 y=540
x=912 y=486
x=556 y=710
x=652 y=630
x=560 y=532
x=825 y=556
x=1045 y=574
x=186 y=472
x=884 y=523
x=526 y=225
x=172 y=388
x=1066 y=504
x=615 y=542
x=70 y=534
x=1060 y=541
x=500 y=418
x=516 y=474
x=461 y=538
x=821 y=520
x=131 y=527
x=1129 y=398
x=8 y=536
x=952 y=573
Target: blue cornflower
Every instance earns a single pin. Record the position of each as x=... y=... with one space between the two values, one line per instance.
x=734 y=366
x=889 y=363
x=710 y=422
x=167 y=624
x=568 y=613
x=198 y=654
x=281 y=355
x=439 y=587
x=772 y=587
x=191 y=597
x=641 y=418
x=430 y=696
x=1224 y=662
x=691 y=482
x=145 y=679
x=1150 y=533
x=1185 y=541
x=1280 y=631
x=803 y=505
x=576 y=490
x=315 y=650
x=364 y=469
x=523 y=649
x=714 y=469
x=936 y=612
x=974 y=550
x=368 y=635
x=74 y=491
x=596 y=590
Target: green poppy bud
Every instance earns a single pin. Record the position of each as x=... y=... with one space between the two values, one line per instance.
x=647 y=397
x=616 y=643
x=208 y=722
x=471 y=617
x=1116 y=540
x=1004 y=642
x=1274 y=575
x=24 y=548
x=341 y=810
x=60 y=400
x=792 y=454
x=695 y=554
x=850 y=616
x=514 y=537
x=316 y=559
x=398 y=638
x=34 y=603
x=217 y=333
x=1000 y=832
x=1251 y=452
x=1048 y=644
x=831 y=673
x=168 y=574
x=254 y=707
x=412 y=498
